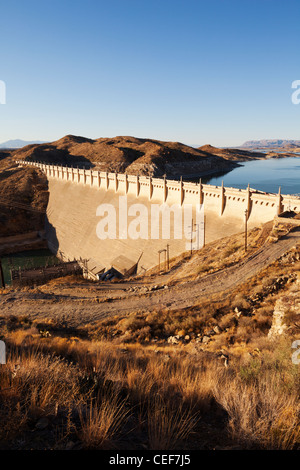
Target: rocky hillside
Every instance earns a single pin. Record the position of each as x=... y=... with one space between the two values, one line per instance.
x=128 y=154
x=23 y=198
x=241 y=154
x=232 y=154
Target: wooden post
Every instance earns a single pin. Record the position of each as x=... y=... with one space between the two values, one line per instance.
x=2 y=275
x=198 y=236
x=192 y=227
x=246 y=218
x=168 y=257
x=159 y=252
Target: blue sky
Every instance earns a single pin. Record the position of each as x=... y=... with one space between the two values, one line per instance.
x=213 y=71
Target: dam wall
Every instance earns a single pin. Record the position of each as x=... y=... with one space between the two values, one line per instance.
x=79 y=197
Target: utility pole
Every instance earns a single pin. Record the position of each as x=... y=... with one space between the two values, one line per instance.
x=2 y=275
x=246 y=217
x=198 y=236
x=168 y=257
x=197 y=233
x=192 y=227
x=159 y=252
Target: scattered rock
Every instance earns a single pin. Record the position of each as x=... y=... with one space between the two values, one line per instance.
x=173 y=339
x=217 y=329
x=225 y=359
x=166 y=357
x=237 y=312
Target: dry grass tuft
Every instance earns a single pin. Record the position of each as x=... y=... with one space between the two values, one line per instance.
x=168 y=423
x=101 y=421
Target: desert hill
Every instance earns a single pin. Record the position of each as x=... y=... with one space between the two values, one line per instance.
x=127 y=154
x=233 y=154
x=28 y=186
x=20 y=189
x=271 y=143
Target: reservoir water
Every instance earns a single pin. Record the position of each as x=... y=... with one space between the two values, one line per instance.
x=264 y=175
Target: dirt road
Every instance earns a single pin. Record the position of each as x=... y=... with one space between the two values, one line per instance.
x=88 y=305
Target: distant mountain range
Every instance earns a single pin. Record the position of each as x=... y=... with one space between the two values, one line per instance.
x=18 y=143
x=270 y=143
x=250 y=144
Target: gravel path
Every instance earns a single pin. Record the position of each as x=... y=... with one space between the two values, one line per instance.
x=85 y=305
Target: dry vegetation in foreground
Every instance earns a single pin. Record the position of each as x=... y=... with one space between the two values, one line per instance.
x=120 y=383
x=70 y=393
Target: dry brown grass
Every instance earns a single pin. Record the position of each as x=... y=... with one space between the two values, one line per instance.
x=101 y=421
x=260 y=414
x=168 y=424
x=97 y=388
x=107 y=383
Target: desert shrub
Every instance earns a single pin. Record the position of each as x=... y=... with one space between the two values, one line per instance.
x=227 y=321
x=131 y=323
x=259 y=415
x=168 y=424
x=241 y=302
x=101 y=421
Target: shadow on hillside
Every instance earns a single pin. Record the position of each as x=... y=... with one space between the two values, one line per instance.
x=51 y=237
x=50 y=155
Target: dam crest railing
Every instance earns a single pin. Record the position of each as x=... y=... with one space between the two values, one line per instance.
x=176 y=190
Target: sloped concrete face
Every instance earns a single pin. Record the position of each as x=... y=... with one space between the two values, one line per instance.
x=72 y=223
x=102 y=216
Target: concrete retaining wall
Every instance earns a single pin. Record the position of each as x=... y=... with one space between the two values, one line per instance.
x=75 y=195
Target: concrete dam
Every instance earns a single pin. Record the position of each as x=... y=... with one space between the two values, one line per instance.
x=130 y=222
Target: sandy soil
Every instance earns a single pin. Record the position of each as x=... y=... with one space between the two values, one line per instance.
x=84 y=302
